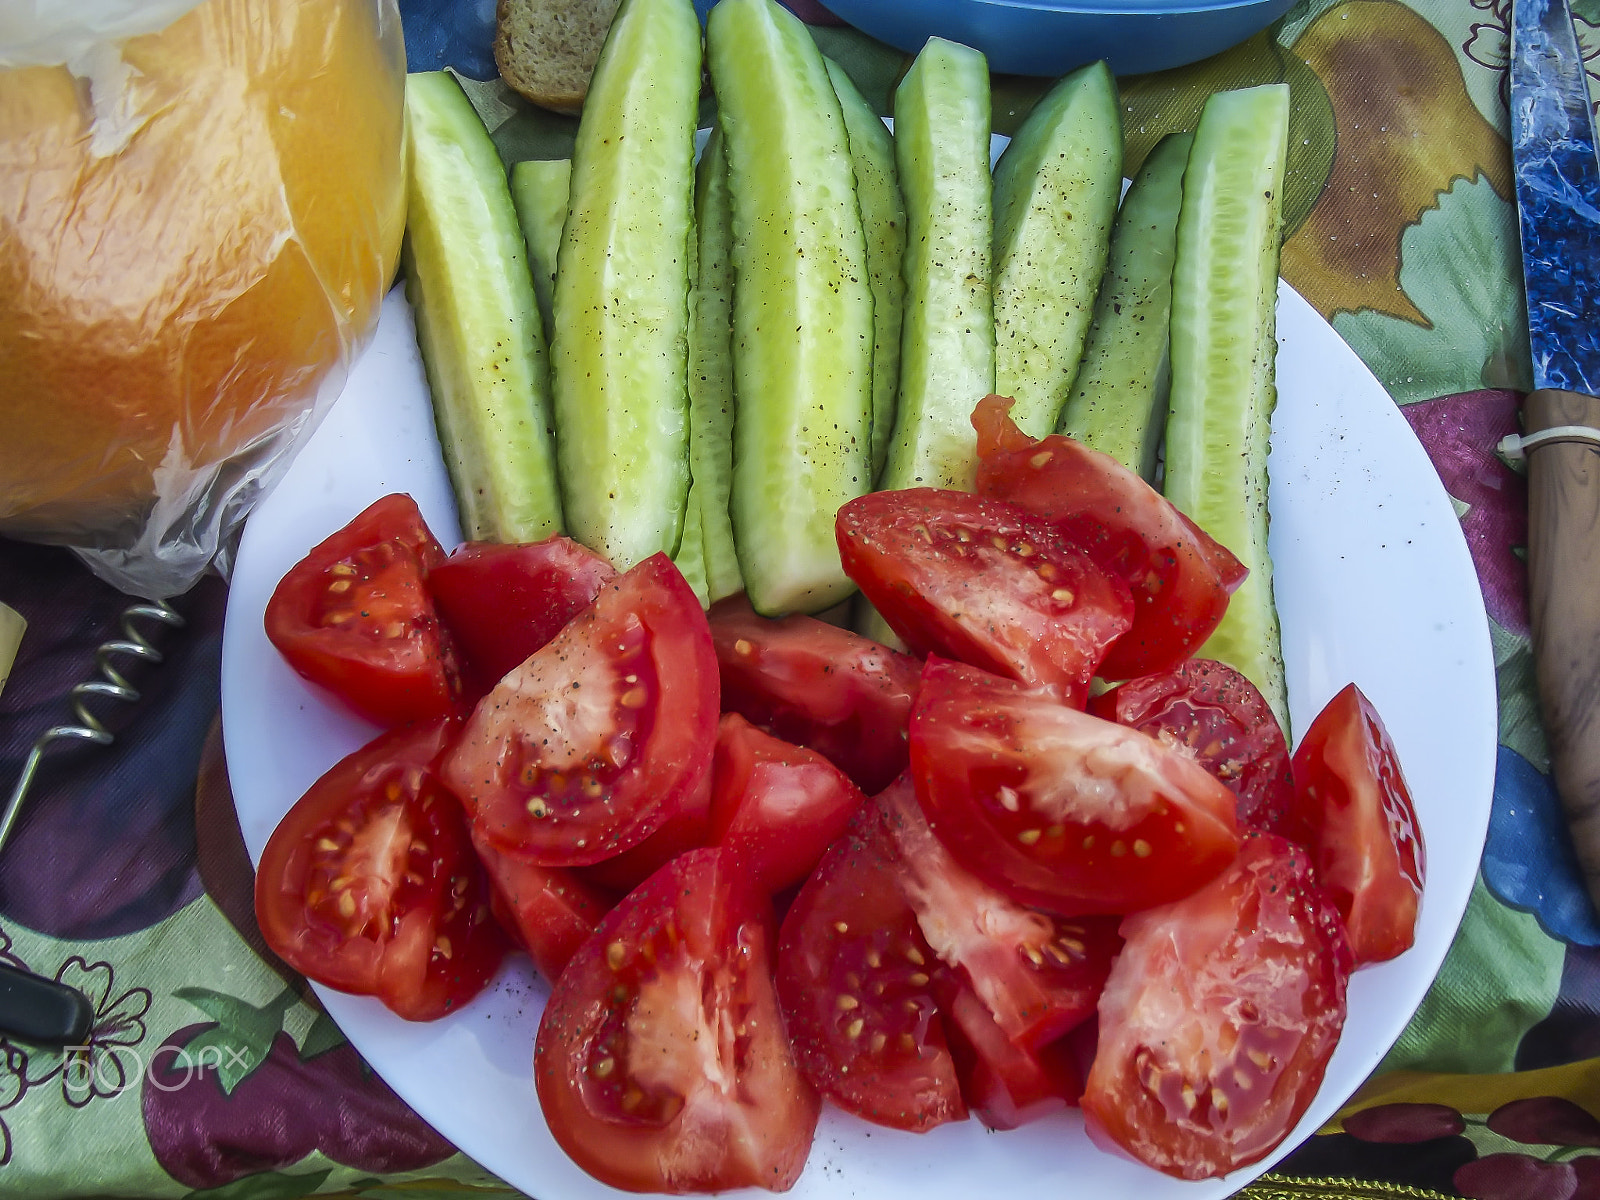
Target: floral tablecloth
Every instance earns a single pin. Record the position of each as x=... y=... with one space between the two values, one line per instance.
x=210 y=1068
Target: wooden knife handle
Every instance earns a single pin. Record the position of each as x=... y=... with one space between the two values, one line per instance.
x=1564 y=595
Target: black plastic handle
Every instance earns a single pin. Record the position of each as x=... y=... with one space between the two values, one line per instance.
x=41 y=1011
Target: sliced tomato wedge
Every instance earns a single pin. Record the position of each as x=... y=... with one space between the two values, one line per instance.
x=984 y=582
x=503 y=602
x=858 y=985
x=1037 y=975
x=687 y=828
x=1223 y=720
x=1353 y=810
x=1180 y=576
x=777 y=805
x=369 y=883
x=355 y=616
x=816 y=685
x=1220 y=1015
x=548 y=911
x=661 y=1062
x=1059 y=809
x=1006 y=1086
x=597 y=739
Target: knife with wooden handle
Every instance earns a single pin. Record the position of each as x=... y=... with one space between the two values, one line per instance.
x=1558 y=214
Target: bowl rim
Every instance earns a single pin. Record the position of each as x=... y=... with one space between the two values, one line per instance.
x=1132 y=8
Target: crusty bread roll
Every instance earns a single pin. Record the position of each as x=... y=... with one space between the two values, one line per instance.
x=196 y=226
x=546 y=49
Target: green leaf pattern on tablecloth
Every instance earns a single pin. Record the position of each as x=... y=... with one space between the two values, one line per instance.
x=1476 y=333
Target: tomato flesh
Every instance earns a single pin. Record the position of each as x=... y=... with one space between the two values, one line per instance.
x=1180 y=576
x=1037 y=975
x=661 y=1062
x=503 y=602
x=369 y=883
x=1005 y=1085
x=1059 y=809
x=819 y=686
x=858 y=985
x=984 y=582
x=547 y=911
x=597 y=739
x=778 y=806
x=1220 y=1016
x=1222 y=719
x=355 y=617
x=1353 y=810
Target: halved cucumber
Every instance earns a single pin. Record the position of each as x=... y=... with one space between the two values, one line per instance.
x=12 y=627
x=1224 y=302
x=1119 y=400
x=1055 y=198
x=477 y=320
x=711 y=376
x=539 y=189
x=883 y=218
x=619 y=353
x=802 y=307
x=941 y=138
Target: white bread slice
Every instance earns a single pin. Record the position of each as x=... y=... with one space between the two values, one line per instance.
x=546 y=49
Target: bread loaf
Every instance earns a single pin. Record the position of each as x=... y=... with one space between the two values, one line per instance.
x=546 y=49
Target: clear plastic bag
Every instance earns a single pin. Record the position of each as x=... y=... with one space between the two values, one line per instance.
x=197 y=227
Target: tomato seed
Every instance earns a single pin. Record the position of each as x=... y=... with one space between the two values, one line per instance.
x=915 y=956
x=1040 y=459
x=1062 y=595
x=616 y=955
x=853 y=1030
x=1118 y=848
x=1034 y=956
x=340 y=586
x=841 y=927
x=442 y=947
x=1141 y=848
x=634 y=698
x=604 y=1067
x=846 y=1002
x=537 y=807
x=1029 y=836
x=918 y=979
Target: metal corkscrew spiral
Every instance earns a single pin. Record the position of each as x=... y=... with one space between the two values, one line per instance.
x=108 y=682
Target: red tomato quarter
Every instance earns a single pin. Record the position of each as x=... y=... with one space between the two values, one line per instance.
x=595 y=741
x=1059 y=809
x=816 y=685
x=1352 y=808
x=548 y=911
x=369 y=883
x=776 y=805
x=1006 y=1086
x=1180 y=576
x=355 y=616
x=1037 y=975
x=503 y=602
x=1223 y=720
x=858 y=982
x=1220 y=1016
x=984 y=582
x=661 y=1062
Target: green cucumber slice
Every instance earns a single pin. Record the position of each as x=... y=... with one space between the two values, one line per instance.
x=477 y=320
x=941 y=139
x=883 y=217
x=1224 y=303
x=619 y=354
x=1055 y=197
x=1119 y=400
x=539 y=189
x=802 y=307
x=12 y=627
x=711 y=375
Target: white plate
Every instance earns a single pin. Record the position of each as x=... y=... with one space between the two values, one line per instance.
x=1374 y=584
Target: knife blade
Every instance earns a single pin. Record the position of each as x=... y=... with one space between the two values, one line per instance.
x=1558 y=214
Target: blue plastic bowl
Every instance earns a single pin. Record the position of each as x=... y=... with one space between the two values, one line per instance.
x=1051 y=38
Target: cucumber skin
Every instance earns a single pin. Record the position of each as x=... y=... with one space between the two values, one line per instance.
x=1220 y=409
x=619 y=350
x=470 y=290
x=1056 y=189
x=883 y=218
x=942 y=120
x=802 y=314
x=539 y=189
x=1119 y=400
x=711 y=377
